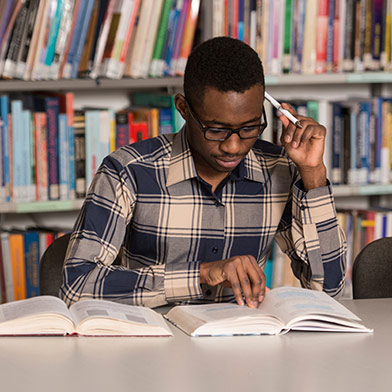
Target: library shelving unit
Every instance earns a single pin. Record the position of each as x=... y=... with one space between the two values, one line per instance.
x=283 y=86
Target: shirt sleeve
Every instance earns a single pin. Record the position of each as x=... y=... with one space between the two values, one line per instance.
x=310 y=235
x=96 y=240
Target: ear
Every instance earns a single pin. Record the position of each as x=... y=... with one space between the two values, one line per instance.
x=181 y=106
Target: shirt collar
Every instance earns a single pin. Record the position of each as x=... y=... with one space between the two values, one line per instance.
x=182 y=166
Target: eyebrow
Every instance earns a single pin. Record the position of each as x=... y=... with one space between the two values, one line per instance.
x=227 y=125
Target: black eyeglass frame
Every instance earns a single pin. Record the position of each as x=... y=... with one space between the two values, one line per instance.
x=237 y=131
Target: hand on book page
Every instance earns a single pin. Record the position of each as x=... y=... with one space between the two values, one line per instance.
x=283 y=309
x=241 y=273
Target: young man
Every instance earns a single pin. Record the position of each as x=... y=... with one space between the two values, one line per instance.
x=194 y=214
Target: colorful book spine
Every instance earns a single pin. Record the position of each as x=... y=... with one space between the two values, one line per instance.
x=81 y=39
x=5 y=146
x=32 y=262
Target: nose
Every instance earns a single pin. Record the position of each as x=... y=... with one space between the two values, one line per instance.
x=232 y=145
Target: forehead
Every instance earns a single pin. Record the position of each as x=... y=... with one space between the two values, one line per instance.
x=225 y=105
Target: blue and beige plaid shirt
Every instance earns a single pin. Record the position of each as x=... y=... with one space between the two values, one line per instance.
x=148 y=201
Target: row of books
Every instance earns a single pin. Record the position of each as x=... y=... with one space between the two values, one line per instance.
x=50 y=151
x=63 y=39
x=20 y=255
x=308 y=36
x=359 y=138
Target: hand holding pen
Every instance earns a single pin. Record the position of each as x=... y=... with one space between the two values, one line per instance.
x=303 y=139
x=285 y=112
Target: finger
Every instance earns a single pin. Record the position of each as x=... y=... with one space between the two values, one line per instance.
x=287 y=133
x=233 y=278
x=246 y=275
x=258 y=281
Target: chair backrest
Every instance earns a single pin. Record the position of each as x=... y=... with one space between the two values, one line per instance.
x=372 y=270
x=51 y=266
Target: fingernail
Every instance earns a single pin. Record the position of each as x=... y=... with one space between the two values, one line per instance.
x=241 y=302
x=295 y=144
x=288 y=138
x=298 y=124
x=261 y=298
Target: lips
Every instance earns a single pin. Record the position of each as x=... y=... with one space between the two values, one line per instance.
x=228 y=163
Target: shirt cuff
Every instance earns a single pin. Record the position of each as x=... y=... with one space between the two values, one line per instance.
x=314 y=206
x=182 y=281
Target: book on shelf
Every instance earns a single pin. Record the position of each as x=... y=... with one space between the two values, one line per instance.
x=160 y=38
x=284 y=309
x=145 y=33
x=48 y=315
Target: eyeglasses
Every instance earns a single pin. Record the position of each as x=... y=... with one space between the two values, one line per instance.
x=221 y=134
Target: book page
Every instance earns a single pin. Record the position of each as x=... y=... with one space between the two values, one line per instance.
x=290 y=302
x=107 y=309
x=33 y=306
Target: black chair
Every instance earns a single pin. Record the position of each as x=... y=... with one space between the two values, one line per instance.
x=51 y=266
x=372 y=270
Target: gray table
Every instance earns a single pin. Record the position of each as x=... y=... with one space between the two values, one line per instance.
x=297 y=361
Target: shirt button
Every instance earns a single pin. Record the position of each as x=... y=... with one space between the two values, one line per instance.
x=217 y=204
x=214 y=249
x=208 y=292
x=302 y=208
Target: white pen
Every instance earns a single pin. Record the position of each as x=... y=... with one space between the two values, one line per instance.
x=285 y=112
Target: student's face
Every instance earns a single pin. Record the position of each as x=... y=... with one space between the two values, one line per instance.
x=215 y=159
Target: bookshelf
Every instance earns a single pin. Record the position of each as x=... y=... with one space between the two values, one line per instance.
x=284 y=86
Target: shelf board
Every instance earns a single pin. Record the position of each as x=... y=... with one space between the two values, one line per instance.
x=362 y=190
x=176 y=82
x=41 y=206
x=329 y=78
x=90 y=84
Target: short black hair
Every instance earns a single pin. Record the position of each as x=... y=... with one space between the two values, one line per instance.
x=223 y=63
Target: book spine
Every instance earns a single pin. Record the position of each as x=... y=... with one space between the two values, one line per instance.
x=32 y=261
x=122 y=129
x=42 y=156
x=189 y=34
x=18 y=265
x=63 y=156
x=377 y=31
x=88 y=44
x=80 y=42
x=52 y=39
x=178 y=38
x=42 y=48
x=330 y=36
x=287 y=37
x=337 y=26
x=34 y=46
x=26 y=42
x=80 y=154
x=76 y=35
x=337 y=143
x=4 y=115
x=52 y=113
x=159 y=42
x=172 y=37
x=299 y=37
x=61 y=42
x=17 y=155
x=6 y=16
x=15 y=43
x=101 y=40
x=321 y=36
x=8 y=271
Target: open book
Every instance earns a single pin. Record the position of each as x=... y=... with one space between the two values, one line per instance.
x=283 y=309
x=47 y=315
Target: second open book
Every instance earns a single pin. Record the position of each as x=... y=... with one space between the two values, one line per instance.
x=283 y=309
x=47 y=315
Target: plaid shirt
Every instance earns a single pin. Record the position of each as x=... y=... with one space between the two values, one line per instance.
x=148 y=201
